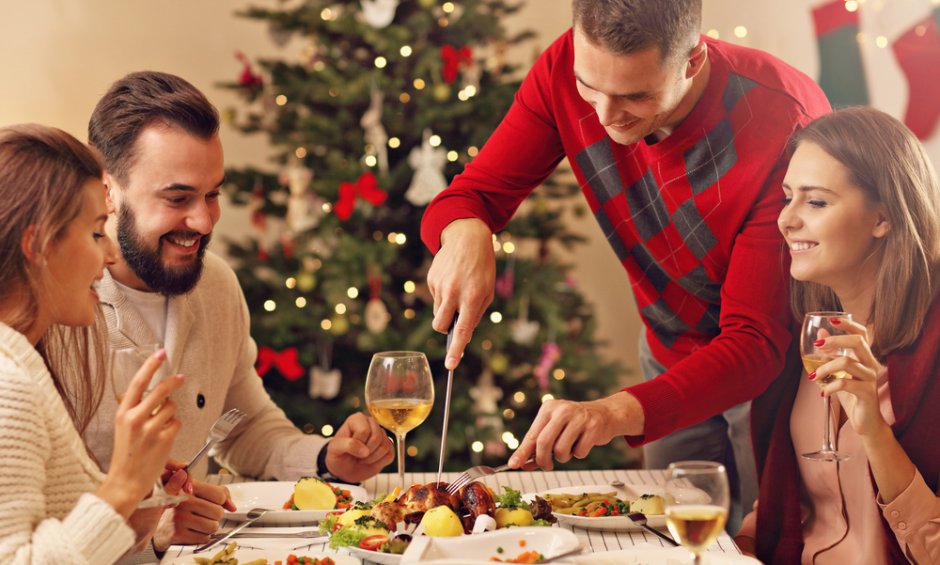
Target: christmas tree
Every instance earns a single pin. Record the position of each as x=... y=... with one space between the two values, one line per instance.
x=386 y=102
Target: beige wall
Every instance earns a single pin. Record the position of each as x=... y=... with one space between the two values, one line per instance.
x=59 y=56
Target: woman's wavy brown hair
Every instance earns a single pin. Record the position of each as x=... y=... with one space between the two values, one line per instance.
x=43 y=172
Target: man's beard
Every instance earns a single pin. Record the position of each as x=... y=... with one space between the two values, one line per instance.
x=147 y=264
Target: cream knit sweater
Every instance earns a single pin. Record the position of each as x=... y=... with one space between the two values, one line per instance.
x=47 y=511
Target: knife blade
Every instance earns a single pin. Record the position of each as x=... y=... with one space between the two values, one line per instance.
x=309 y=534
x=252 y=515
x=450 y=384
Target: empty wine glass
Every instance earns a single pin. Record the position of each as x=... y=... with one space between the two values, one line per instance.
x=125 y=362
x=696 y=503
x=816 y=326
x=399 y=395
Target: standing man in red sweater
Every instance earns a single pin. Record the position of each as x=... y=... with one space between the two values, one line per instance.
x=679 y=143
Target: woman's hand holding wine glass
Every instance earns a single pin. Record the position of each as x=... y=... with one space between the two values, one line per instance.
x=818 y=328
x=399 y=395
x=858 y=371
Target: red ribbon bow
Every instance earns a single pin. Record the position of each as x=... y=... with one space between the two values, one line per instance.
x=366 y=187
x=284 y=361
x=453 y=58
x=248 y=77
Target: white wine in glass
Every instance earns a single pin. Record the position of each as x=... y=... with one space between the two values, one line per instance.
x=696 y=503
x=399 y=395
x=816 y=326
x=125 y=362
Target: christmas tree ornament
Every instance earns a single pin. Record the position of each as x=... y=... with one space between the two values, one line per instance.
x=284 y=361
x=379 y=13
x=279 y=36
x=365 y=187
x=441 y=92
x=452 y=58
x=486 y=397
x=375 y=134
x=551 y=354
x=841 y=70
x=324 y=383
x=303 y=208
x=339 y=325
x=248 y=78
x=258 y=219
x=917 y=52
x=507 y=280
x=376 y=312
x=523 y=330
x=499 y=363
x=287 y=244
x=306 y=280
x=485 y=394
x=428 y=180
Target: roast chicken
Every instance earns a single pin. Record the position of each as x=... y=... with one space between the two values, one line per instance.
x=475 y=499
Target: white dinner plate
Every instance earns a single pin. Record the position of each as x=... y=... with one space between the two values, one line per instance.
x=273 y=495
x=374 y=556
x=248 y=554
x=670 y=556
x=611 y=523
x=480 y=548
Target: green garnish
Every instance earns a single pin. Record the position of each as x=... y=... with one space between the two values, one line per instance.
x=510 y=499
x=346 y=536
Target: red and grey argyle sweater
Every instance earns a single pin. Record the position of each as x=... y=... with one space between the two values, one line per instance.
x=692 y=218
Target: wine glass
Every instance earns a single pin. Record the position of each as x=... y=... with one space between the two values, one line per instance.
x=399 y=395
x=818 y=325
x=696 y=503
x=125 y=362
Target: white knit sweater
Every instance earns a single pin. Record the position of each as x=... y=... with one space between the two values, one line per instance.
x=47 y=511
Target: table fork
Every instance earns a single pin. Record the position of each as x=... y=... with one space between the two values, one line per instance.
x=220 y=430
x=479 y=471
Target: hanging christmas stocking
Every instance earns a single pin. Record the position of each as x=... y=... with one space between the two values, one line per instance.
x=841 y=72
x=918 y=54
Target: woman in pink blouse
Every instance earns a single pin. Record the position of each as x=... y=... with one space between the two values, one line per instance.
x=862 y=225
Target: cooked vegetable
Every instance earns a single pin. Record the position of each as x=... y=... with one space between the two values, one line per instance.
x=649 y=504
x=506 y=517
x=441 y=521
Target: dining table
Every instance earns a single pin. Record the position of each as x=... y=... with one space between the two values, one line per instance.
x=592 y=540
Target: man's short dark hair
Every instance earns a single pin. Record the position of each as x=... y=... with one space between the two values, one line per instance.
x=629 y=26
x=139 y=100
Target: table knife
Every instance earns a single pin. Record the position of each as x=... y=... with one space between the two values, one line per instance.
x=450 y=384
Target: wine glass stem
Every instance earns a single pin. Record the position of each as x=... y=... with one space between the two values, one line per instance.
x=400 y=440
x=827 y=425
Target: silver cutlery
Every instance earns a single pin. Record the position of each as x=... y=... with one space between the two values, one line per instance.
x=639 y=519
x=622 y=487
x=311 y=534
x=479 y=471
x=252 y=515
x=220 y=430
x=450 y=385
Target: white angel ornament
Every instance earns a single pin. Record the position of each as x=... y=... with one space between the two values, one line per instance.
x=379 y=13
x=428 y=163
x=375 y=134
